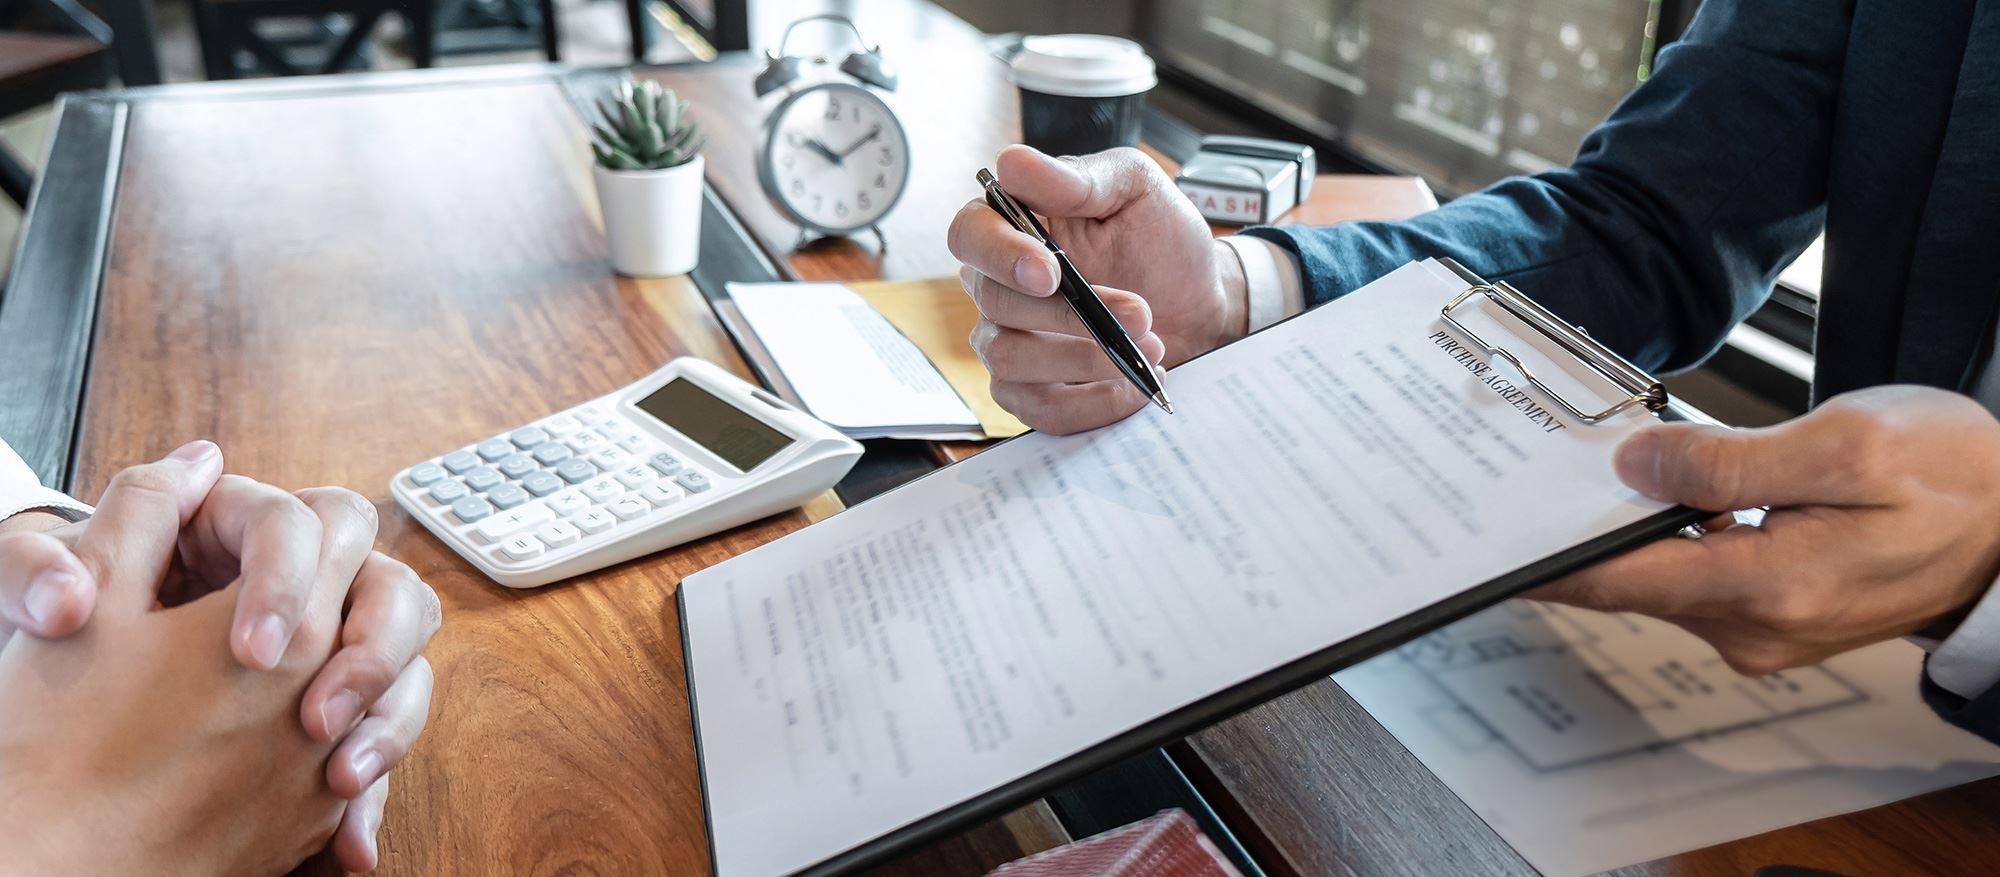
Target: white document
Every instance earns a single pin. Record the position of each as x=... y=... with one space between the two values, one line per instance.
x=1337 y=471
x=849 y=365
x=1592 y=741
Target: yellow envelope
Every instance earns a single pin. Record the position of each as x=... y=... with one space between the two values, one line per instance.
x=937 y=316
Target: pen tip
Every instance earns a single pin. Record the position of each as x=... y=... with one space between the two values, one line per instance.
x=1160 y=399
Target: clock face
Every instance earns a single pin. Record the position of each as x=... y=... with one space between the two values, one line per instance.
x=834 y=157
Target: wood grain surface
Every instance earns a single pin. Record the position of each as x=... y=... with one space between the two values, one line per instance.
x=336 y=285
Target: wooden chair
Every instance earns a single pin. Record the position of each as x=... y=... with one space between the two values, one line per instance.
x=228 y=29
x=34 y=69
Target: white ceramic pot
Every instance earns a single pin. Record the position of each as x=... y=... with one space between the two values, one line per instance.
x=652 y=219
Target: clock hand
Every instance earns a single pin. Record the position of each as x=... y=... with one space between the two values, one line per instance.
x=823 y=150
x=872 y=134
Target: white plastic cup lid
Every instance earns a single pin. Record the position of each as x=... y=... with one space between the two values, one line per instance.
x=1083 y=65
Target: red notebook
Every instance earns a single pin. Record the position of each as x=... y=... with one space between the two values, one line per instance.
x=1166 y=845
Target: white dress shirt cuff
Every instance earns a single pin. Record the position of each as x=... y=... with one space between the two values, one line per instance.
x=1276 y=287
x=21 y=492
x=1967 y=663
x=43 y=499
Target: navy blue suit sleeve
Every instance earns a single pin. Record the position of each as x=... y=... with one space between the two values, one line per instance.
x=1679 y=211
x=1980 y=715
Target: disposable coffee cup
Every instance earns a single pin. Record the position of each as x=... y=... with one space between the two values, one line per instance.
x=1082 y=93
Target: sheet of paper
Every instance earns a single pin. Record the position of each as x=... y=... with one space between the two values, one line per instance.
x=1591 y=741
x=1337 y=471
x=849 y=366
x=938 y=317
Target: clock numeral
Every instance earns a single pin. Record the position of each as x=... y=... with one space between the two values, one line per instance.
x=788 y=161
x=817 y=200
x=832 y=108
x=840 y=209
x=798 y=187
x=795 y=138
x=888 y=157
x=881 y=181
x=862 y=199
x=857 y=112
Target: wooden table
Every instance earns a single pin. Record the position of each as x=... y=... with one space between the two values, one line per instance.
x=333 y=278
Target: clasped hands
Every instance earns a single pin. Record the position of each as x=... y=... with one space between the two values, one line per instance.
x=209 y=671
x=1885 y=503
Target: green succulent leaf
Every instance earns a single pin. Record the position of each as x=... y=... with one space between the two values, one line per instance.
x=611 y=139
x=644 y=126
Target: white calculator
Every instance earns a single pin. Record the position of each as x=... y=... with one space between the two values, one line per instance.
x=687 y=451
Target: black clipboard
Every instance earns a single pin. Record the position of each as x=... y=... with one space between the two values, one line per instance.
x=1641 y=389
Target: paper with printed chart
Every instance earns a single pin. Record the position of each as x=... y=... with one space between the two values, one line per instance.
x=1592 y=741
x=958 y=640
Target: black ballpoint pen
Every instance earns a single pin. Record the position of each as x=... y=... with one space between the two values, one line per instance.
x=1082 y=298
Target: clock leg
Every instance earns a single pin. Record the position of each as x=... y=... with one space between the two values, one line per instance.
x=879 y=236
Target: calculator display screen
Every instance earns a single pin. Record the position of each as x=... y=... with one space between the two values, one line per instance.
x=736 y=437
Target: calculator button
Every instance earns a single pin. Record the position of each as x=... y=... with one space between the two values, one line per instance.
x=613 y=430
x=471 y=509
x=517 y=466
x=585 y=442
x=668 y=464
x=493 y=449
x=482 y=479
x=661 y=493
x=507 y=523
x=568 y=502
x=561 y=425
x=636 y=476
x=550 y=453
x=521 y=548
x=557 y=534
x=528 y=437
x=507 y=496
x=448 y=492
x=542 y=483
x=636 y=444
x=459 y=461
x=426 y=474
x=609 y=459
x=576 y=471
x=695 y=482
x=602 y=490
x=594 y=521
x=628 y=508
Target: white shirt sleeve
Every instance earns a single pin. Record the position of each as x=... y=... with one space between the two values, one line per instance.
x=1276 y=287
x=20 y=491
x=1967 y=663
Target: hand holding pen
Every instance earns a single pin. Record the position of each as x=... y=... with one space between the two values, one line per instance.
x=1082 y=297
x=1123 y=225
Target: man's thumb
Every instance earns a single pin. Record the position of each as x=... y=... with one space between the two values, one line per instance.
x=1717 y=469
x=1095 y=186
x=44 y=589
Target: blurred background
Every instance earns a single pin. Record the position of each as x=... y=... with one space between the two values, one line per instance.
x=1460 y=92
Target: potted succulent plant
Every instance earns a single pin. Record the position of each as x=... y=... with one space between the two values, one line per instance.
x=648 y=173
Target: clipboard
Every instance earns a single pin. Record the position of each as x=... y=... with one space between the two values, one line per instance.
x=1639 y=390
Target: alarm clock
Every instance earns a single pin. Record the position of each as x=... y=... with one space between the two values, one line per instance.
x=832 y=156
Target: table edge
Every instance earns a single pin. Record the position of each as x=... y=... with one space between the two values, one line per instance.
x=48 y=308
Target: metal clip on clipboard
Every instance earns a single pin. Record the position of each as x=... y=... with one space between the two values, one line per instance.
x=1639 y=388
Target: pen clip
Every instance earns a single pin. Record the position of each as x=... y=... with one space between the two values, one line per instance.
x=1020 y=217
